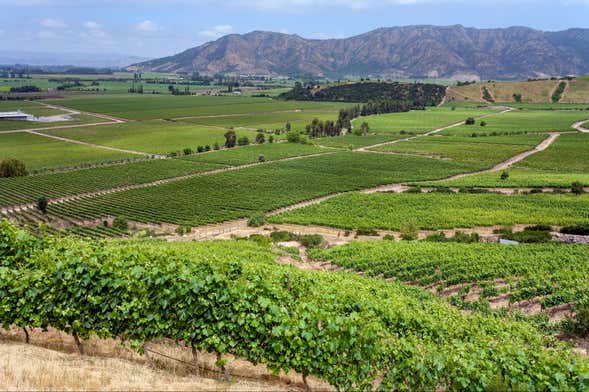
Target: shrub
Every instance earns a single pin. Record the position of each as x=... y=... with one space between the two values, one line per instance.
x=207 y=148
x=200 y=149
x=261 y=158
x=576 y=230
x=42 y=203
x=483 y=123
x=257 y=220
x=282 y=236
x=389 y=237
x=230 y=138
x=121 y=223
x=187 y=151
x=11 y=167
x=409 y=231
x=293 y=137
x=577 y=188
x=216 y=146
x=243 y=141
x=260 y=239
x=579 y=325
x=271 y=139
x=310 y=240
x=367 y=232
x=470 y=121
x=505 y=175
x=260 y=138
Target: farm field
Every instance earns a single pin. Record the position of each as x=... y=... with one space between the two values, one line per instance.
x=242 y=193
x=150 y=107
x=267 y=121
x=419 y=121
x=563 y=163
x=523 y=121
x=391 y=324
x=434 y=211
x=21 y=190
x=554 y=273
x=154 y=137
x=39 y=152
x=482 y=152
x=30 y=107
x=250 y=154
x=354 y=141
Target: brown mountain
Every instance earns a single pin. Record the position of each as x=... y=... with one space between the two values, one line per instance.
x=411 y=51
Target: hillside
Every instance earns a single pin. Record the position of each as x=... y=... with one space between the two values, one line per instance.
x=413 y=51
x=538 y=91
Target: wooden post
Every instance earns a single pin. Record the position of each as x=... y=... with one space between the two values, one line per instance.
x=78 y=343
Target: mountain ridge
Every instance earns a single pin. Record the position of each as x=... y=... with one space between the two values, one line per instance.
x=454 y=52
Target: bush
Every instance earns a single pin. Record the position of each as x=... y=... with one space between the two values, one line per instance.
x=11 y=167
x=579 y=325
x=470 y=121
x=310 y=240
x=367 y=232
x=576 y=230
x=505 y=175
x=257 y=220
x=260 y=239
x=187 y=151
x=261 y=158
x=230 y=138
x=260 y=138
x=216 y=146
x=282 y=236
x=200 y=149
x=243 y=141
x=293 y=137
x=42 y=203
x=121 y=223
x=577 y=188
x=389 y=237
x=483 y=123
x=271 y=139
x=409 y=232
x=207 y=148
x=530 y=235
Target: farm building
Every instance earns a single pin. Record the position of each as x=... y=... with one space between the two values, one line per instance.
x=15 y=116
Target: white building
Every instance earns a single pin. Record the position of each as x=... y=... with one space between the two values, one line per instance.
x=15 y=116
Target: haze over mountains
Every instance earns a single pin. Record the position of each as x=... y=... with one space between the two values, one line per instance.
x=453 y=52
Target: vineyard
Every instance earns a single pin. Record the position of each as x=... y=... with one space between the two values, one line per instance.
x=22 y=190
x=352 y=332
x=435 y=211
x=210 y=199
x=553 y=274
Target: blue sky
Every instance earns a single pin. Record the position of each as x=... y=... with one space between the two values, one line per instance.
x=153 y=28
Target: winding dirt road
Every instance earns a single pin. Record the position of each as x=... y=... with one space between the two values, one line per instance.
x=579 y=126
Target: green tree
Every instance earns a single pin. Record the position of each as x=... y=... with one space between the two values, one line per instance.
x=243 y=141
x=293 y=137
x=577 y=188
x=121 y=223
x=260 y=138
x=505 y=175
x=42 y=204
x=11 y=167
x=470 y=121
x=230 y=138
x=287 y=127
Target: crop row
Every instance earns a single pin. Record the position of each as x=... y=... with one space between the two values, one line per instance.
x=350 y=331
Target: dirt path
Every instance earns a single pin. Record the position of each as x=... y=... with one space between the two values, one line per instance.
x=252 y=114
x=24 y=207
x=579 y=126
x=433 y=132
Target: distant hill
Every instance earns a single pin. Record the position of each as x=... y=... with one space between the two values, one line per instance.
x=95 y=60
x=453 y=52
x=539 y=91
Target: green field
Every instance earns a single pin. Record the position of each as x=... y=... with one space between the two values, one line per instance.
x=482 y=152
x=237 y=194
x=41 y=152
x=155 y=136
x=434 y=211
x=524 y=121
x=149 y=107
x=29 y=107
x=353 y=141
x=419 y=121
x=20 y=190
x=252 y=153
x=555 y=273
x=564 y=162
x=238 y=297
x=267 y=121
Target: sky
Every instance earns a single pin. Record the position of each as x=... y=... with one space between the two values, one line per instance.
x=155 y=28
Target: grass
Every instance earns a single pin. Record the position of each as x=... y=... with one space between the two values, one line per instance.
x=565 y=161
x=27 y=189
x=41 y=152
x=156 y=136
x=523 y=121
x=481 y=152
x=419 y=121
x=251 y=154
x=435 y=211
x=242 y=193
x=29 y=107
x=149 y=107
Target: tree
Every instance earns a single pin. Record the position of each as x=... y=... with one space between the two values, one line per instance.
x=504 y=175
x=363 y=130
x=483 y=123
x=243 y=141
x=271 y=139
x=577 y=188
x=257 y=220
x=260 y=138
x=11 y=167
x=261 y=158
x=287 y=127
x=216 y=146
x=470 y=121
x=230 y=138
x=187 y=151
x=293 y=137
x=42 y=203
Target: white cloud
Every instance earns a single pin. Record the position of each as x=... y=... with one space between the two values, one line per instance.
x=148 y=26
x=94 y=29
x=216 y=31
x=51 y=23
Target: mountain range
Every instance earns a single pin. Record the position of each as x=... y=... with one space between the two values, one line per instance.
x=454 y=52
